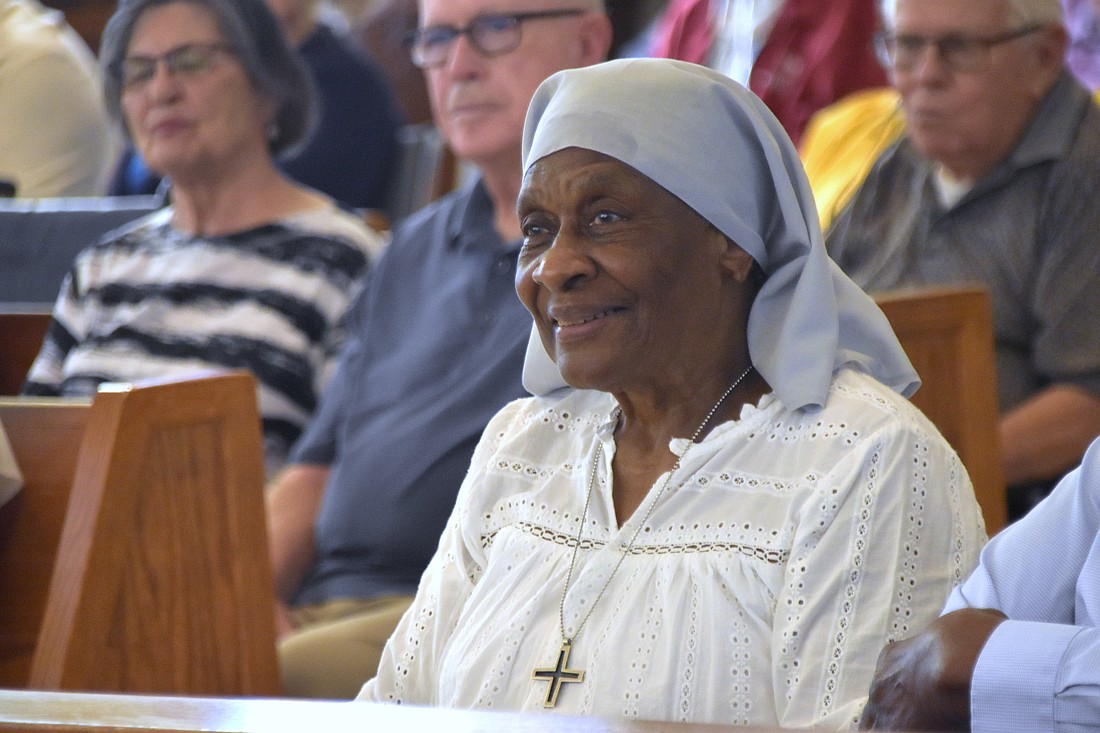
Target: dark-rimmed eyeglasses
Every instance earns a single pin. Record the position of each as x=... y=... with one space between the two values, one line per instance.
x=967 y=54
x=188 y=61
x=492 y=34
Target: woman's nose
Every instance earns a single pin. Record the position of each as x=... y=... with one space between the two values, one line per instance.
x=164 y=83
x=566 y=263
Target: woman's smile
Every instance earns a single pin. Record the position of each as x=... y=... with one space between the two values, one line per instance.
x=569 y=324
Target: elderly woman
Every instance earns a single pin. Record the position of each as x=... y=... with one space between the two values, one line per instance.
x=731 y=508
x=351 y=153
x=245 y=269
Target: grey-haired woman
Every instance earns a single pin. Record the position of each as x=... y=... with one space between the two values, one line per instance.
x=246 y=268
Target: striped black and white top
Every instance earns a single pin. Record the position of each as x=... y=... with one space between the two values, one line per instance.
x=152 y=301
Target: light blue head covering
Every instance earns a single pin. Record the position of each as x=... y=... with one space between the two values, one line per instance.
x=714 y=145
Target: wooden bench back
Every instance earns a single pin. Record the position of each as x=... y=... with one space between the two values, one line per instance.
x=161 y=581
x=21 y=334
x=24 y=711
x=948 y=335
x=45 y=437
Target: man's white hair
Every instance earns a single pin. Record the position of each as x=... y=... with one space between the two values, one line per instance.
x=1021 y=12
x=597 y=6
x=1037 y=12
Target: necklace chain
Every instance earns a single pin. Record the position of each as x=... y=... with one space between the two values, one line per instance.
x=652 y=505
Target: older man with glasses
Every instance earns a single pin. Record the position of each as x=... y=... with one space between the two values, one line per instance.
x=435 y=348
x=995 y=181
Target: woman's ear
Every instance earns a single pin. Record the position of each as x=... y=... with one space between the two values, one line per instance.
x=736 y=261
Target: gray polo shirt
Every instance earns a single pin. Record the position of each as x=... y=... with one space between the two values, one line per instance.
x=1029 y=231
x=435 y=347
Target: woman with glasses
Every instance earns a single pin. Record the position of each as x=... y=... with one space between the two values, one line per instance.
x=351 y=153
x=245 y=269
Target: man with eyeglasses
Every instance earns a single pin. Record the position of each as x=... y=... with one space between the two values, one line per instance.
x=435 y=348
x=995 y=180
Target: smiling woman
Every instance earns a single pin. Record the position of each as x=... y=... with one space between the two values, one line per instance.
x=246 y=269
x=718 y=508
x=664 y=271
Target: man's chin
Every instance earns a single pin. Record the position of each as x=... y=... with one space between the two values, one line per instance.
x=937 y=145
x=486 y=136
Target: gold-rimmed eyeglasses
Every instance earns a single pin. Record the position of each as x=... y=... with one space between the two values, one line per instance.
x=188 y=61
x=962 y=53
x=492 y=34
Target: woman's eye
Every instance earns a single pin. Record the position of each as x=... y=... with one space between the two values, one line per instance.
x=536 y=235
x=536 y=224
x=605 y=217
x=534 y=230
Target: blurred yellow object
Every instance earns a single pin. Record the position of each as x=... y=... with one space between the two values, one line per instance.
x=843 y=141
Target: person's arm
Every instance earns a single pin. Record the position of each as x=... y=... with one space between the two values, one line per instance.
x=292 y=505
x=972 y=667
x=972 y=670
x=1038 y=669
x=294 y=498
x=68 y=329
x=1037 y=677
x=1046 y=435
x=895 y=529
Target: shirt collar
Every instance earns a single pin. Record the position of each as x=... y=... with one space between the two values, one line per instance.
x=471 y=225
x=1053 y=130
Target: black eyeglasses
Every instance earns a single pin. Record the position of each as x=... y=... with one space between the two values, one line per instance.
x=492 y=34
x=190 y=60
x=966 y=54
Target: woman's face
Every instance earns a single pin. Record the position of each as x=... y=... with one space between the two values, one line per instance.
x=628 y=286
x=205 y=115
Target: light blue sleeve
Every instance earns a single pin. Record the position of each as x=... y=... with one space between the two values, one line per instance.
x=1020 y=677
x=1042 y=566
x=1040 y=671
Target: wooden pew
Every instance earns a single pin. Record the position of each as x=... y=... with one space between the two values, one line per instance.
x=948 y=334
x=87 y=17
x=58 y=712
x=21 y=334
x=161 y=581
x=45 y=437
